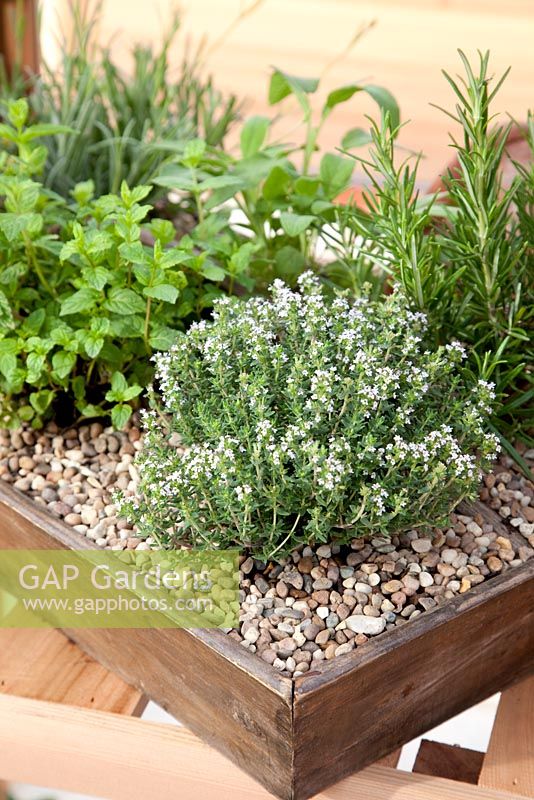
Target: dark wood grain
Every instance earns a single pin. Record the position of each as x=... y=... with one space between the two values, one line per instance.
x=224 y=694
x=448 y=761
x=300 y=737
x=410 y=679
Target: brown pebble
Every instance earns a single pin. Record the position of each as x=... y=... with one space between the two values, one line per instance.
x=311 y=631
x=305 y=565
x=503 y=543
x=494 y=563
x=391 y=587
x=399 y=598
x=331 y=651
x=322 y=637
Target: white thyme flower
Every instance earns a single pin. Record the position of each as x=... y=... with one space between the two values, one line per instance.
x=337 y=412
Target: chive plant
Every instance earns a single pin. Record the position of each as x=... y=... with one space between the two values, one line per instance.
x=124 y=125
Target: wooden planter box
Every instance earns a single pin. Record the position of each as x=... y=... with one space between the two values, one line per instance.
x=298 y=737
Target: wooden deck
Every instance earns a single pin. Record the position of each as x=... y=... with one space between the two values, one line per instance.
x=67 y=723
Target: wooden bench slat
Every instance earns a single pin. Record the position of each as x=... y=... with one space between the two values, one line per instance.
x=509 y=762
x=44 y=665
x=110 y=756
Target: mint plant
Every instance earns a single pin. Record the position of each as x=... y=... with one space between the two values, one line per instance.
x=307 y=420
x=89 y=288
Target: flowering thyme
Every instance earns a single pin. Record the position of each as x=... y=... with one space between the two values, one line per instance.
x=307 y=419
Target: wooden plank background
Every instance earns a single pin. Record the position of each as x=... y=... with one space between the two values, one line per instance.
x=411 y=42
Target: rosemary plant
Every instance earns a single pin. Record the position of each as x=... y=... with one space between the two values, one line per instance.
x=464 y=257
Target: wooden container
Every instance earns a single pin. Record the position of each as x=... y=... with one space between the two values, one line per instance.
x=299 y=736
x=23 y=55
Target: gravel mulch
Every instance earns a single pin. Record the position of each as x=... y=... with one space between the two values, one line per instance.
x=322 y=602
x=74 y=473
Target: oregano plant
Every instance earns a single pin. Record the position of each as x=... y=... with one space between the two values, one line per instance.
x=276 y=198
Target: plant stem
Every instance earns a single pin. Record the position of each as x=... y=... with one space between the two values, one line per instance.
x=147 y=323
x=30 y=252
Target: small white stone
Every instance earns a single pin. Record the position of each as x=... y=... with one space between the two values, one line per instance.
x=370 y=626
x=421 y=545
x=448 y=554
x=426 y=579
x=322 y=612
x=343 y=649
x=474 y=528
x=252 y=635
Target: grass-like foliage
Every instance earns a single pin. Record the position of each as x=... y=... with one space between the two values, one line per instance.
x=124 y=122
x=306 y=420
x=463 y=257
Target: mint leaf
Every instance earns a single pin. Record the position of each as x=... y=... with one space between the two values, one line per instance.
x=295 y=224
x=83 y=300
x=164 y=291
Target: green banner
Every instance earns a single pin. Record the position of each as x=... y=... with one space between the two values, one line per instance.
x=112 y=589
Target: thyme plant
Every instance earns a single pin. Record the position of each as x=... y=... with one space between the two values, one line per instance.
x=307 y=419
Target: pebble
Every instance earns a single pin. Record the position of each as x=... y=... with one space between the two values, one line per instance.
x=474 y=528
x=494 y=563
x=391 y=587
x=321 y=602
x=421 y=545
x=370 y=626
x=448 y=555
x=426 y=579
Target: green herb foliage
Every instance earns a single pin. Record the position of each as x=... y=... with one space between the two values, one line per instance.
x=123 y=123
x=306 y=420
x=463 y=257
x=280 y=207
x=89 y=288
x=93 y=284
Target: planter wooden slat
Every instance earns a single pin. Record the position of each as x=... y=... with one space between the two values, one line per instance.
x=298 y=737
x=413 y=678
